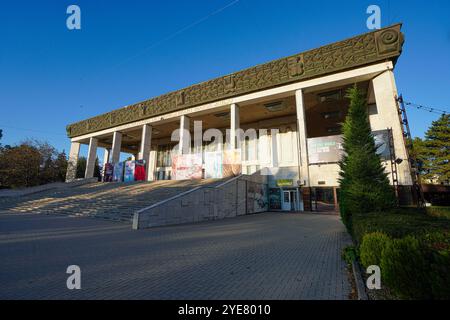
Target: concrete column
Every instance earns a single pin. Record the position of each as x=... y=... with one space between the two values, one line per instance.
x=116 y=146
x=184 y=146
x=234 y=126
x=264 y=148
x=275 y=148
x=73 y=160
x=303 y=143
x=92 y=155
x=151 y=165
x=252 y=149
x=106 y=156
x=385 y=92
x=144 y=152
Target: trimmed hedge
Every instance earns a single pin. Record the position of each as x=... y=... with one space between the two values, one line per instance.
x=411 y=248
x=372 y=247
x=397 y=223
x=437 y=246
x=404 y=269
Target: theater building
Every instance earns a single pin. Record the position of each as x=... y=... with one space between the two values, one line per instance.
x=295 y=104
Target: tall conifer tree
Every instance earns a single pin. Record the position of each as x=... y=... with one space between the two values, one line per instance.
x=363 y=181
x=437 y=150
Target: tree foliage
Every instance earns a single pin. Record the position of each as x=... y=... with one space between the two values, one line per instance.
x=363 y=180
x=433 y=153
x=81 y=168
x=31 y=163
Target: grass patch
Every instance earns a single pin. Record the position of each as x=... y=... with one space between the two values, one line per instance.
x=439 y=212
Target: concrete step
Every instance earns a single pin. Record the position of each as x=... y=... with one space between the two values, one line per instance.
x=112 y=201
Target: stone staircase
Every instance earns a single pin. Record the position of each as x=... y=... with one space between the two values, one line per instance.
x=112 y=201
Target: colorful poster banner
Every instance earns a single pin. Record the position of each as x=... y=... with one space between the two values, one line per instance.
x=213 y=165
x=232 y=165
x=139 y=170
x=108 y=172
x=186 y=166
x=118 y=172
x=129 y=171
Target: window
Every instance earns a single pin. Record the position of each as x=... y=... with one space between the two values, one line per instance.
x=331 y=115
x=334 y=130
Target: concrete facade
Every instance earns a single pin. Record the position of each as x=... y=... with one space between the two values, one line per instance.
x=292 y=115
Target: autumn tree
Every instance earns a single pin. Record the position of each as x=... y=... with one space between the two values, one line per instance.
x=31 y=163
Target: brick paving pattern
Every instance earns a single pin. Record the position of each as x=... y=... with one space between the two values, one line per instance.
x=264 y=256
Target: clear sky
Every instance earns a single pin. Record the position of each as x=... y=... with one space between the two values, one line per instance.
x=128 y=51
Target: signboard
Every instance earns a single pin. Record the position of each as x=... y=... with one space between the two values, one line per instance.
x=186 y=166
x=213 y=165
x=325 y=149
x=285 y=182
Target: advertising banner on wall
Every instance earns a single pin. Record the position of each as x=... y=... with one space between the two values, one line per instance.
x=274 y=199
x=139 y=170
x=382 y=142
x=213 y=165
x=118 y=172
x=129 y=171
x=325 y=149
x=257 y=200
x=329 y=149
x=108 y=172
x=231 y=163
x=186 y=166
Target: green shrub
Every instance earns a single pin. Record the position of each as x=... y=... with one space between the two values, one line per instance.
x=349 y=254
x=372 y=247
x=404 y=269
x=438 y=255
x=439 y=274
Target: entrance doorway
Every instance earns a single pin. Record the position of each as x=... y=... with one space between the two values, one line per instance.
x=324 y=199
x=290 y=200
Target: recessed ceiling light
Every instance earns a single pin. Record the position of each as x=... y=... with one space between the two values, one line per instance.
x=334 y=95
x=225 y=114
x=275 y=106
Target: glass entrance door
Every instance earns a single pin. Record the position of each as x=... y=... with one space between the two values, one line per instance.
x=289 y=200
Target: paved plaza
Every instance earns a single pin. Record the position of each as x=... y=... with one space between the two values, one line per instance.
x=263 y=256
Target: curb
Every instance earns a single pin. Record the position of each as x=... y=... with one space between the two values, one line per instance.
x=360 y=287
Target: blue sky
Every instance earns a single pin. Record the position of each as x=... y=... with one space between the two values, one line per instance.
x=128 y=51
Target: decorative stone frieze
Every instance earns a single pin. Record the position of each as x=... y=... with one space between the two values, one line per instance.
x=381 y=45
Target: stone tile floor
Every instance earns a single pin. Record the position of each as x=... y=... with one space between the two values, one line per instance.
x=263 y=256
